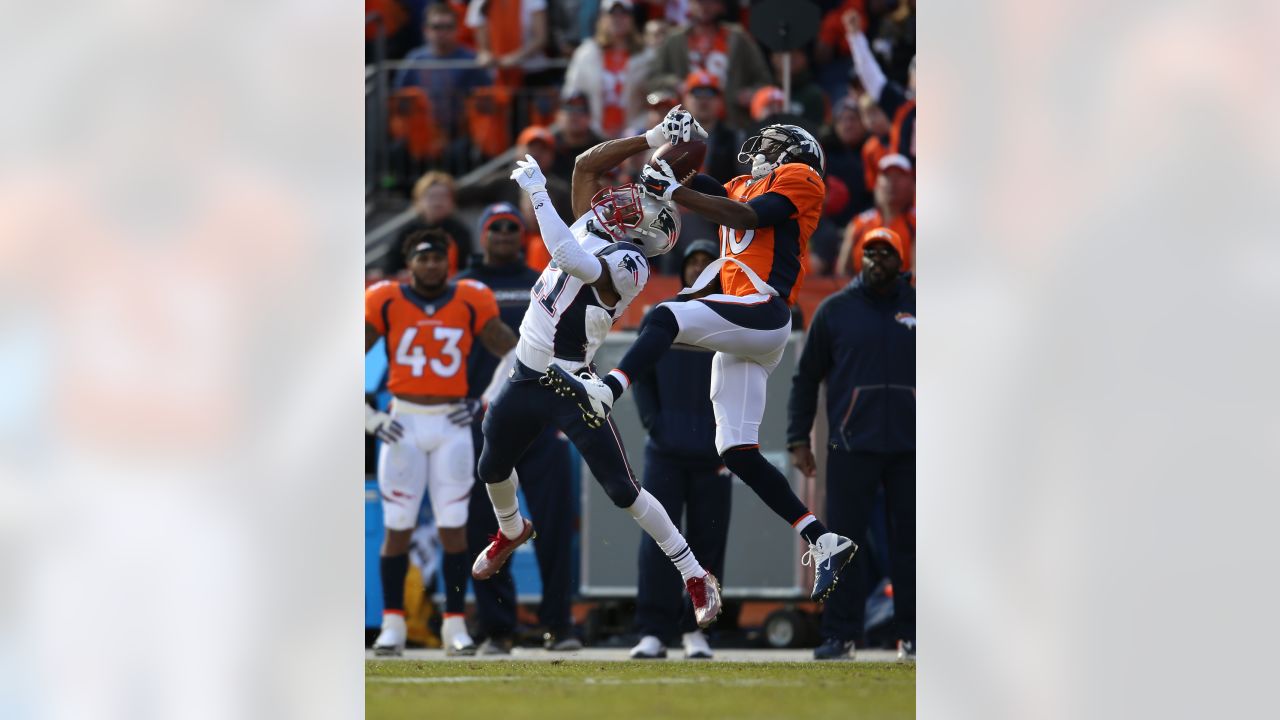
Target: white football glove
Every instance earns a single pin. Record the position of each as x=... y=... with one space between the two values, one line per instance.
x=467 y=412
x=677 y=126
x=659 y=181
x=386 y=428
x=529 y=176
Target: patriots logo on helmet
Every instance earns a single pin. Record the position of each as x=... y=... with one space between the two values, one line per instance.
x=628 y=263
x=664 y=222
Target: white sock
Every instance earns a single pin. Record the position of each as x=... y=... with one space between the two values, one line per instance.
x=651 y=516
x=506 y=506
x=803 y=523
x=621 y=377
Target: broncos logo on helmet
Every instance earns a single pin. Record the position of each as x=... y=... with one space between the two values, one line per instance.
x=779 y=144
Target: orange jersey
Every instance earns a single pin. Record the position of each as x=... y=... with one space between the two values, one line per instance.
x=775 y=253
x=429 y=341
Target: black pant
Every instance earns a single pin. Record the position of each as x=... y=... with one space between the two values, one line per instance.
x=705 y=492
x=544 y=474
x=852 y=481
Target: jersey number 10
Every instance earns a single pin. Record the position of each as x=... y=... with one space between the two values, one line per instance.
x=729 y=242
x=413 y=355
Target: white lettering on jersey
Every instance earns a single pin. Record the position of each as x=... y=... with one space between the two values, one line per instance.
x=570 y=321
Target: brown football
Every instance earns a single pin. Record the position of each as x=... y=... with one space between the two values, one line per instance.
x=685 y=158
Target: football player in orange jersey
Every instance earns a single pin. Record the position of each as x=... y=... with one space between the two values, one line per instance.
x=430 y=325
x=739 y=307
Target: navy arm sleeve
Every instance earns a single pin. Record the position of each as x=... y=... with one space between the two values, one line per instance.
x=891 y=98
x=707 y=185
x=645 y=392
x=815 y=361
x=772 y=209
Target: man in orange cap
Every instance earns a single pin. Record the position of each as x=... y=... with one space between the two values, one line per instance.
x=862 y=343
x=895 y=195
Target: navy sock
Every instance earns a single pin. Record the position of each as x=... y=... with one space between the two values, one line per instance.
x=393 y=569
x=813 y=531
x=771 y=485
x=455 y=570
x=659 y=331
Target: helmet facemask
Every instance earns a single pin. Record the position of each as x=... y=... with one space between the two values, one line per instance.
x=777 y=145
x=618 y=209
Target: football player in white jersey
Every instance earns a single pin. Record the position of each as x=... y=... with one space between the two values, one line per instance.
x=599 y=266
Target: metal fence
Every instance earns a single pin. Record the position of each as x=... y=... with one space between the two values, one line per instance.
x=412 y=127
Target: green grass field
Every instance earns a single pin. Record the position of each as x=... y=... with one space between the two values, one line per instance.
x=608 y=690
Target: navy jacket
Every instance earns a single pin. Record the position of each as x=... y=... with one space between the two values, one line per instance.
x=511 y=284
x=674 y=400
x=865 y=348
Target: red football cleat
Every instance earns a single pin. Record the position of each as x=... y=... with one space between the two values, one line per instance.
x=500 y=547
x=705 y=593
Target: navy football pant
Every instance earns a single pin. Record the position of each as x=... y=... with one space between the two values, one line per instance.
x=852 y=481
x=520 y=413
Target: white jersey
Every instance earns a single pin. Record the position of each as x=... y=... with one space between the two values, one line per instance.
x=566 y=319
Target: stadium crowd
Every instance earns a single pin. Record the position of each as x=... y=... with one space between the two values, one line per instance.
x=554 y=77
x=473 y=83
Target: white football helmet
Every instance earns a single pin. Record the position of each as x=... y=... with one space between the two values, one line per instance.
x=778 y=144
x=628 y=213
x=659 y=229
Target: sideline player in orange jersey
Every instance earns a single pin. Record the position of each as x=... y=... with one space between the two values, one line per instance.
x=739 y=307
x=430 y=325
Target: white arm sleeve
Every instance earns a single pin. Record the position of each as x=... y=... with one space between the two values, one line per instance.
x=500 y=373
x=864 y=63
x=475 y=14
x=565 y=249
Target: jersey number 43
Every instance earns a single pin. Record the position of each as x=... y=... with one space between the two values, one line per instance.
x=407 y=353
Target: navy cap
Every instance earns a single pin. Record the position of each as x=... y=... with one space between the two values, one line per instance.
x=500 y=211
x=706 y=246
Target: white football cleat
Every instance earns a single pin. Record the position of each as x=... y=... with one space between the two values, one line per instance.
x=391 y=640
x=828 y=556
x=454 y=637
x=593 y=397
x=695 y=646
x=649 y=648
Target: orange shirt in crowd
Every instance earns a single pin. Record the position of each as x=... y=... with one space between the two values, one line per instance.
x=904 y=225
x=429 y=340
x=710 y=53
x=872 y=151
x=506 y=35
x=614 y=117
x=536 y=254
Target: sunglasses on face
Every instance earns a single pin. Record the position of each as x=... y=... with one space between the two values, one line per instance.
x=704 y=92
x=442 y=27
x=504 y=226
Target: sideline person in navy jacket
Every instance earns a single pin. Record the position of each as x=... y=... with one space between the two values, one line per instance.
x=862 y=342
x=683 y=470
x=544 y=471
